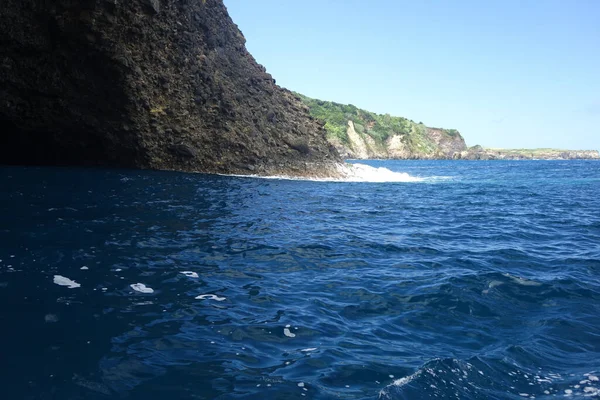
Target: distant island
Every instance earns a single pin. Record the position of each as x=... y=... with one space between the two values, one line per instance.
x=361 y=134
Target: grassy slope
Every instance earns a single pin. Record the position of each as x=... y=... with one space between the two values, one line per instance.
x=377 y=126
x=381 y=127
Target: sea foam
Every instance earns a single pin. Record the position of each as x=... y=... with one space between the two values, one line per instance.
x=210 y=297
x=352 y=173
x=140 y=287
x=63 y=281
x=366 y=173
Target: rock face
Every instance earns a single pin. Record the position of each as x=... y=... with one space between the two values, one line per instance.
x=361 y=134
x=432 y=144
x=164 y=84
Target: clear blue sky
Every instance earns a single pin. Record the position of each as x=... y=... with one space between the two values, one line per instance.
x=510 y=73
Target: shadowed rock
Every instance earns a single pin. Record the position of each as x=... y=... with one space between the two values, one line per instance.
x=118 y=83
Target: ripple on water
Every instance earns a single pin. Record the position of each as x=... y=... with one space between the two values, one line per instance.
x=485 y=285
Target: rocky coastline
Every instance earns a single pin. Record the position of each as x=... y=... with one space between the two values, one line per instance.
x=362 y=134
x=481 y=153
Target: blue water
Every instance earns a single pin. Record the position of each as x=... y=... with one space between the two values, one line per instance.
x=480 y=282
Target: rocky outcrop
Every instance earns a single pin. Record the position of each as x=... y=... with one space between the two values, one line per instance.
x=429 y=144
x=358 y=145
x=481 y=153
x=439 y=144
x=161 y=84
x=361 y=134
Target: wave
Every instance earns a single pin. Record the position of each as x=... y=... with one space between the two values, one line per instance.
x=481 y=378
x=356 y=173
x=366 y=173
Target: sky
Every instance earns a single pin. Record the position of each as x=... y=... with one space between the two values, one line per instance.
x=509 y=73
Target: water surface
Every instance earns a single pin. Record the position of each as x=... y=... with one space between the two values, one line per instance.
x=480 y=280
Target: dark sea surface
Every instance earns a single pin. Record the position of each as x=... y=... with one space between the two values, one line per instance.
x=479 y=281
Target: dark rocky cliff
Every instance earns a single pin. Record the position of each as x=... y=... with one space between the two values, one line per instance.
x=145 y=83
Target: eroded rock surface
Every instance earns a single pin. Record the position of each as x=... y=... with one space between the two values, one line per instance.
x=146 y=83
x=432 y=144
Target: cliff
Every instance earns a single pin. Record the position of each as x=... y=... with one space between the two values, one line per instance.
x=361 y=134
x=146 y=83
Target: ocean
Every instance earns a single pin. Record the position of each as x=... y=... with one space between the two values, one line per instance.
x=415 y=280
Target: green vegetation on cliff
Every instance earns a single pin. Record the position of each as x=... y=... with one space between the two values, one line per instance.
x=372 y=135
x=376 y=130
x=379 y=127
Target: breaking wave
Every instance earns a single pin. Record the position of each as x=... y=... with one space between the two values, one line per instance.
x=355 y=173
x=481 y=378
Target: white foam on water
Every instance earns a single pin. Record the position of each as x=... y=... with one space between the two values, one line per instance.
x=522 y=281
x=493 y=284
x=552 y=384
x=63 y=281
x=143 y=303
x=140 y=287
x=300 y=384
x=288 y=333
x=354 y=173
x=398 y=383
x=190 y=274
x=591 y=391
x=366 y=173
x=84 y=268
x=210 y=297
x=309 y=349
x=50 y=318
